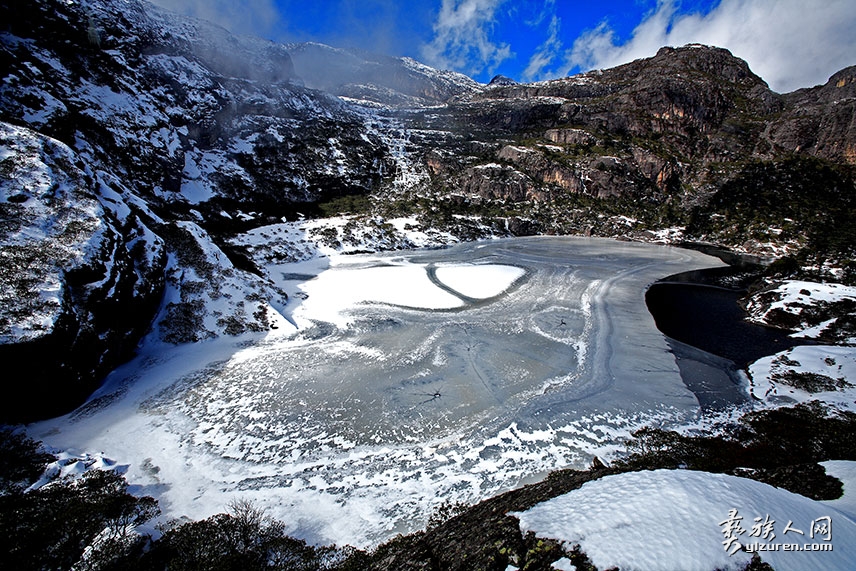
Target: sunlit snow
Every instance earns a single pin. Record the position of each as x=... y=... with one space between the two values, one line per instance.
x=776 y=378
x=405 y=380
x=678 y=519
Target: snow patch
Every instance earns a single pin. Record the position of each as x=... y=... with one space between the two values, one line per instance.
x=400 y=284
x=480 y=281
x=806 y=372
x=845 y=471
x=676 y=519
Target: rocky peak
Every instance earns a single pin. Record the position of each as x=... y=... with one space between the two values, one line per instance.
x=664 y=132
x=360 y=75
x=694 y=86
x=716 y=62
x=502 y=80
x=840 y=86
x=820 y=120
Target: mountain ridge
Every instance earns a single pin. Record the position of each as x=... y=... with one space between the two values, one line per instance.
x=186 y=136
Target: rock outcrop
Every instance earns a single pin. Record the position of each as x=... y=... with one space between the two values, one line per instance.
x=80 y=283
x=820 y=121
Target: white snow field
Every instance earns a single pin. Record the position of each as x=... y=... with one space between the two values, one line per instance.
x=795 y=297
x=400 y=381
x=680 y=519
x=830 y=365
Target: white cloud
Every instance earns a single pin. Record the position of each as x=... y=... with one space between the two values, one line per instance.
x=250 y=17
x=462 y=39
x=789 y=43
x=545 y=54
x=547 y=10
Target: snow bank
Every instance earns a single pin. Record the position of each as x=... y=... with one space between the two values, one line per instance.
x=676 y=519
x=807 y=372
x=805 y=293
x=72 y=465
x=796 y=305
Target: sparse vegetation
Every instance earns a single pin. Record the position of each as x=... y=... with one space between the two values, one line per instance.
x=245 y=538
x=810 y=382
x=761 y=445
x=805 y=201
x=86 y=522
x=349 y=204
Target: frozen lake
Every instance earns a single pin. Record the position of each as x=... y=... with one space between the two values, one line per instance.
x=409 y=379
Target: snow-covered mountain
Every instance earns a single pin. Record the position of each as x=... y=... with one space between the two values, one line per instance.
x=139 y=146
x=374 y=78
x=132 y=140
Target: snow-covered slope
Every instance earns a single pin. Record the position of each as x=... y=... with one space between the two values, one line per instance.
x=52 y=221
x=135 y=143
x=695 y=521
x=809 y=309
x=81 y=276
x=804 y=373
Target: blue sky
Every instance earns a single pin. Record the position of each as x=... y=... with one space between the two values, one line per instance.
x=790 y=43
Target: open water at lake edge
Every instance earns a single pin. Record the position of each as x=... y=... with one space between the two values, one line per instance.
x=708 y=332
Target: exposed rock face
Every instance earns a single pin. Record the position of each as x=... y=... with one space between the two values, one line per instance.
x=659 y=139
x=79 y=285
x=821 y=121
x=653 y=122
x=502 y=80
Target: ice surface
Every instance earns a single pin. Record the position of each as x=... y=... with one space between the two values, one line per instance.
x=673 y=519
x=411 y=379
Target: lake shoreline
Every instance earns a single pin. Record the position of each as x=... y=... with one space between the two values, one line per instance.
x=700 y=314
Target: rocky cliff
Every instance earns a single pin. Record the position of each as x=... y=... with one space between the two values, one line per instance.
x=138 y=145
x=652 y=141
x=131 y=139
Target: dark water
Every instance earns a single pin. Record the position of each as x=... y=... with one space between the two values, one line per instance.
x=710 y=318
x=700 y=313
